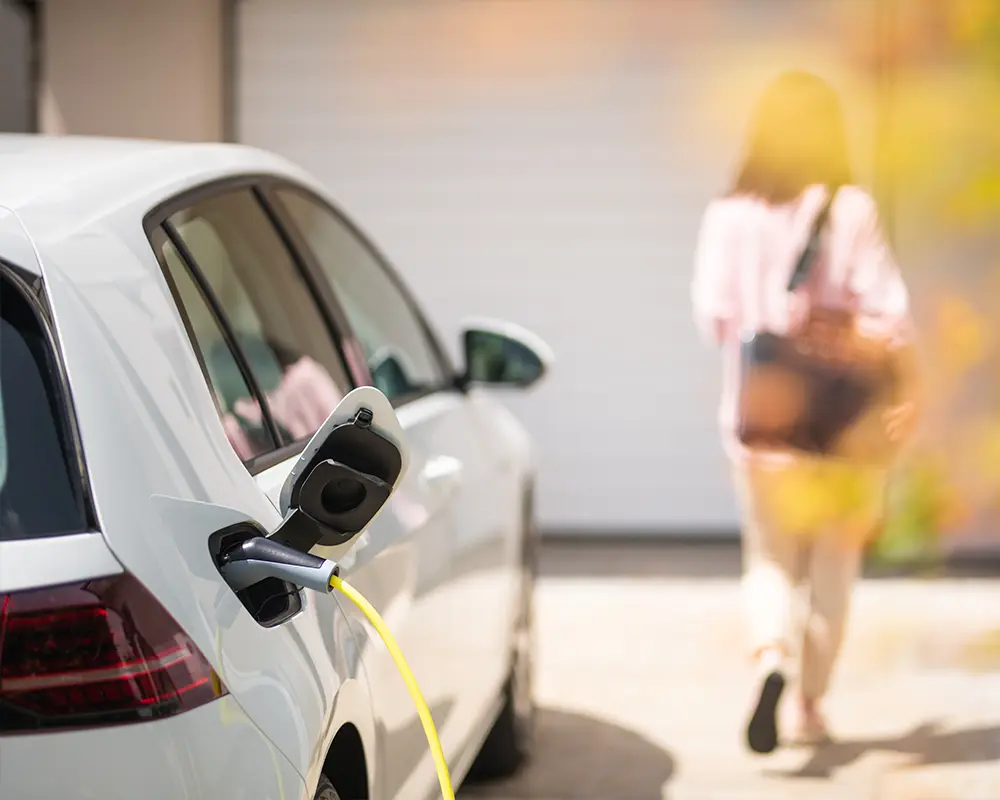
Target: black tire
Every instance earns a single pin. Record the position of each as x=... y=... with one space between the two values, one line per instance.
x=325 y=790
x=509 y=744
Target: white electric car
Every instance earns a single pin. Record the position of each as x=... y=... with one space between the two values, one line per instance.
x=184 y=332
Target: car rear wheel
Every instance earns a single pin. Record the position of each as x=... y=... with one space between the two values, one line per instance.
x=325 y=790
x=509 y=743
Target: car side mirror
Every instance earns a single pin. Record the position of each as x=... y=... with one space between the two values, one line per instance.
x=503 y=354
x=346 y=474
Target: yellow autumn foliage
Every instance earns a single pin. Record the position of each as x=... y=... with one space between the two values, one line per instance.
x=812 y=496
x=963 y=334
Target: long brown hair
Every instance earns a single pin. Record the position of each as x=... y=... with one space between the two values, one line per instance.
x=797 y=138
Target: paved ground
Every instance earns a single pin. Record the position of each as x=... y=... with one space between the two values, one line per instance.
x=643 y=686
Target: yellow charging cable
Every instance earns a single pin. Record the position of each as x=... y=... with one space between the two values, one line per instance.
x=430 y=731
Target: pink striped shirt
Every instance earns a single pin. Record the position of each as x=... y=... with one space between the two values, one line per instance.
x=746 y=251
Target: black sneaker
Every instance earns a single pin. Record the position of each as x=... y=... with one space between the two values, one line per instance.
x=762 y=732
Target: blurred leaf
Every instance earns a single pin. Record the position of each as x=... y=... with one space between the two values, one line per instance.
x=972 y=21
x=963 y=335
x=989 y=449
x=920 y=503
x=978 y=200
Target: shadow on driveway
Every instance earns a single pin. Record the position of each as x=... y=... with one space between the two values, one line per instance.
x=584 y=758
x=927 y=743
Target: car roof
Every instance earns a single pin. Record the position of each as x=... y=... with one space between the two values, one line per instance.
x=51 y=179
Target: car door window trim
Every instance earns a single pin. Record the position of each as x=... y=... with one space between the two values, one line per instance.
x=263 y=186
x=325 y=296
x=270 y=191
x=159 y=218
x=333 y=317
x=218 y=314
x=257 y=183
x=378 y=257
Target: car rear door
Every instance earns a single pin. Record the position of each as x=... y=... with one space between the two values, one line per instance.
x=284 y=655
x=274 y=354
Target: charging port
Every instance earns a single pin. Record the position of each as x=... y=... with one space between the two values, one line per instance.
x=270 y=601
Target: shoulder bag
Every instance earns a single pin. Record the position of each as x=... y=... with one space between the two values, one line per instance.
x=821 y=391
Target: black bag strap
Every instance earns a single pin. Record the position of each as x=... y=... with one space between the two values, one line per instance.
x=804 y=265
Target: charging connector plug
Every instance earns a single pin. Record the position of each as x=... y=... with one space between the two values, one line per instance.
x=258 y=558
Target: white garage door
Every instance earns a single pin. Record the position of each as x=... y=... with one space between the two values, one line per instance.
x=547 y=162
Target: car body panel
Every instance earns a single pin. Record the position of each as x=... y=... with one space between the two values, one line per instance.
x=210 y=752
x=440 y=561
x=27 y=563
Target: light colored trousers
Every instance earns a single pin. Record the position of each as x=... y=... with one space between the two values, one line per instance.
x=804 y=530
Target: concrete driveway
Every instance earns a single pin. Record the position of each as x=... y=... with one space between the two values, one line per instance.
x=644 y=687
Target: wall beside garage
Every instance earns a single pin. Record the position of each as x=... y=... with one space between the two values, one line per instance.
x=142 y=68
x=17 y=114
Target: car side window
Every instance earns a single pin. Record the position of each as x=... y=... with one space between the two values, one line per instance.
x=402 y=357
x=282 y=340
x=233 y=397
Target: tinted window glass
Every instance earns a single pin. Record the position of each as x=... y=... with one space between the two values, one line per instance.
x=238 y=409
x=40 y=485
x=271 y=312
x=402 y=358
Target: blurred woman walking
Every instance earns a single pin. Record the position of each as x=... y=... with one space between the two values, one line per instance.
x=796 y=173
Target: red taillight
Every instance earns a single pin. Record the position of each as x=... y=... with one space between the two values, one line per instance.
x=104 y=652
